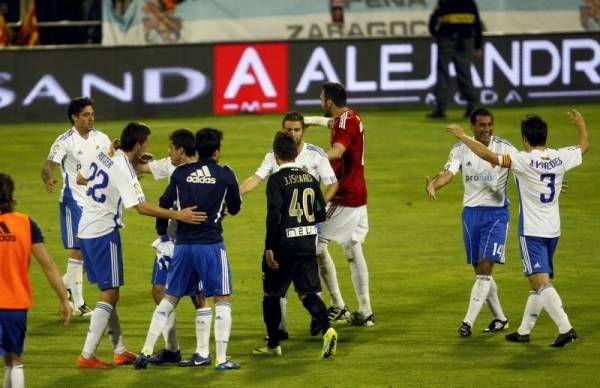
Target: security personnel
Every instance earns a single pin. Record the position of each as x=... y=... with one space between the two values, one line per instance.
x=456 y=26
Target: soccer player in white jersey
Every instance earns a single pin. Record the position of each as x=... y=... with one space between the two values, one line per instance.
x=540 y=173
x=67 y=151
x=485 y=216
x=112 y=185
x=312 y=158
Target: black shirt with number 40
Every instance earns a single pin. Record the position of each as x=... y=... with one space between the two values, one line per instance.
x=295 y=205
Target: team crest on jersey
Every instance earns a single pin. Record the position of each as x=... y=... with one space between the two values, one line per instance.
x=137 y=188
x=56 y=148
x=201 y=175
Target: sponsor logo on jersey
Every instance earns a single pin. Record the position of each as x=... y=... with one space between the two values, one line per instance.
x=481 y=178
x=251 y=78
x=201 y=175
x=301 y=231
x=5 y=233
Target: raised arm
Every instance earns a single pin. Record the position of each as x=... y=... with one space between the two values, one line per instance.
x=320 y=121
x=582 y=136
x=479 y=149
x=54 y=278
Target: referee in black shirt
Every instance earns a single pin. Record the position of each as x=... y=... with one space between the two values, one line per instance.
x=295 y=205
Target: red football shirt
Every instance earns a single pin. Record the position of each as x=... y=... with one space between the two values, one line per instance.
x=350 y=169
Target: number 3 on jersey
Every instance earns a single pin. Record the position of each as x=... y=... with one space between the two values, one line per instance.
x=298 y=209
x=103 y=182
x=550 y=178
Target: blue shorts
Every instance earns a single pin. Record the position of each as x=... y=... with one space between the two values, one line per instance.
x=103 y=260
x=70 y=214
x=203 y=267
x=13 y=325
x=537 y=254
x=484 y=233
x=159 y=274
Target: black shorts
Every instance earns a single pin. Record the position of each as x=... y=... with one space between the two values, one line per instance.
x=300 y=269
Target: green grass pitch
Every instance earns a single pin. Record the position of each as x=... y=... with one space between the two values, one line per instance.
x=420 y=283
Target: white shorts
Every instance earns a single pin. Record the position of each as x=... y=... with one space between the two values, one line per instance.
x=345 y=224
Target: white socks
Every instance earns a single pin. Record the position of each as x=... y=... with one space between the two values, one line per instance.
x=14 y=376
x=329 y=275
x=158 y=323
x=100 y=317
x=552 y=303
x=533 y=308
x=479 y=293
x=360 y=276
x=283 y=306
x=203 y=323
x=494 y=302
x=170 y=334
x=73 y=280
x=114 y=333
x=222 y=329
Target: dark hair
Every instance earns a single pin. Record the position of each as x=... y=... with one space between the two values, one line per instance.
x=7 y=187
x=335 y=92
x=284 y=147
x=292 y=116
x=535 y=130
x=77 y=105
x=480 y=112
x=133 y=134
x=184 y=138
x=208 y=140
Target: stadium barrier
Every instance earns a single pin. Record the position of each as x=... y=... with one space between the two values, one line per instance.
x=149 y=81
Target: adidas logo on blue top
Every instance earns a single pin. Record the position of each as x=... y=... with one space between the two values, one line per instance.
x=201 y=175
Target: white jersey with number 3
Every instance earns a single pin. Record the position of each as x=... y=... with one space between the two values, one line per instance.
x=540 y=177
x=112 y=186
x=484 y=184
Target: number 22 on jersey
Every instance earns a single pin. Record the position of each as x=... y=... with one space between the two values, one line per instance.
x=102 y=177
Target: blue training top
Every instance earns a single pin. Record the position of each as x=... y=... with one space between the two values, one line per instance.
x=211 y=188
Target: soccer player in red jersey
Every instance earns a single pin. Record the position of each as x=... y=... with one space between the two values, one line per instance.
x=20 y=236
x=347 y=221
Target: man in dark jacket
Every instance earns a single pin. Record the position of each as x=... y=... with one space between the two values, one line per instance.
x=456 y=26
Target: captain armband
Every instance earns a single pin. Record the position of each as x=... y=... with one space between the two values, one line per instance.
x=504 y=160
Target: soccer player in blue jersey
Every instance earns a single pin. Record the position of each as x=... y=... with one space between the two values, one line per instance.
x=182 y=150
x=112 y=186
x=200 y=255
x=68 y=151
x=485 y=216
x=540 y=174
